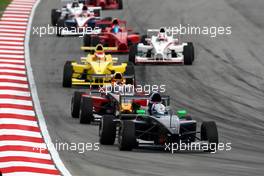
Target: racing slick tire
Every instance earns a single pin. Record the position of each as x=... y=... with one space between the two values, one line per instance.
x=120 y=4
x=132 y=53
x=86 y=110
x=130 y=71
x=54 y=16
x=107 y=130
x=67 y=75
x=188 y=53
x=126 y=137
x=76 y=103
x=87 y=40
x=60 y=26
x=143 y=39
x=95 y=40
x=209 y=133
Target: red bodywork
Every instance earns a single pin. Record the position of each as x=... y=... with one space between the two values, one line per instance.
x=100 y=100
x=122 y=40
x=105 y=4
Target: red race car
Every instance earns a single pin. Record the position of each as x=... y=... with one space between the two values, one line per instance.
x=105 y=4
x=114 y=33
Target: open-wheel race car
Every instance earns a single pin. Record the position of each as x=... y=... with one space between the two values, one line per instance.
x=96 y=69
x=75 y=19
x=105 y=4
x=90 y=106
x=160 y=46
x=140 y=119
x=114 y=33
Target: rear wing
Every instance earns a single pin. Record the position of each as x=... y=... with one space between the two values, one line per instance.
x=106 y=49
x=154 y=32
x=96 y=10
x=108 y=23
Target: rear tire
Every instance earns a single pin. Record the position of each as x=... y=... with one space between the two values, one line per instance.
x=75 y=104
x=143 y=39
x=209 y=133
x=95 y=40
x=127 y=137
x=67 y=75
x=54 y=16
x=188 y=53
x=107 y=130
x=87 y=40
x=130 y=71
x=132 y=53
x=60 y=26
x=120 y=4
x=86 y=110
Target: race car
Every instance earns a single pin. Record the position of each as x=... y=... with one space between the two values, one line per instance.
x=92 y=105
x=106 y=4
x=96 y=69
x=114 y=33
x=160 y=46
x=149 y=121
x=75 y=19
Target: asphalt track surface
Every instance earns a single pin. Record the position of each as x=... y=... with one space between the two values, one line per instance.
x=225 y=84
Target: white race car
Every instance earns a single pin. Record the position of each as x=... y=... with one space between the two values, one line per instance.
x=161 y=48
x=75 y=19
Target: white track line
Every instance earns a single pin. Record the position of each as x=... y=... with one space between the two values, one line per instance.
x=9 y=84
x=40 y=146
x=15 y=92
x=26 y=164
x=9 y=121
x=25 y=154
x=27 y=174
x=20 y=133
x=17 y=111
x=16 y=102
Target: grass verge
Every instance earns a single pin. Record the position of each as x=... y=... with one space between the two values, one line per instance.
x=3 y=4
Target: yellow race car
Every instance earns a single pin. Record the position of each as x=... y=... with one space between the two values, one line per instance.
x=97 y=69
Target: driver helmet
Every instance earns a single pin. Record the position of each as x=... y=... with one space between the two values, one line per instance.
x=118 y=79
x=116 y=27
x=75 y=4
x=99 y=52
x=158 y=108
x=162 y=35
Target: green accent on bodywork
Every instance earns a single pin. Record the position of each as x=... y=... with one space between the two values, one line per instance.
x=182 y=113
x=141 y=111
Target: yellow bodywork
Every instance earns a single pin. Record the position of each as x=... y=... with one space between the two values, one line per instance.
x=93 y=71
x=126 y=107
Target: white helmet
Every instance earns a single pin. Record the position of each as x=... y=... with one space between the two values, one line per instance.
x=158 y=108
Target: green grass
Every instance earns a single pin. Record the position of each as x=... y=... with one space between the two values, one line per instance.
x=3 y=4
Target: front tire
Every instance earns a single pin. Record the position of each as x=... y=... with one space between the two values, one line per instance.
x=67 y=75
x=132 y=53
x=60 y=26
x=127 y=137
x=86 y=110
x=188 y=53
x=209 y=133
x=75 y=104
x=120 y=4
x=107 y=130
x=54 y=16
